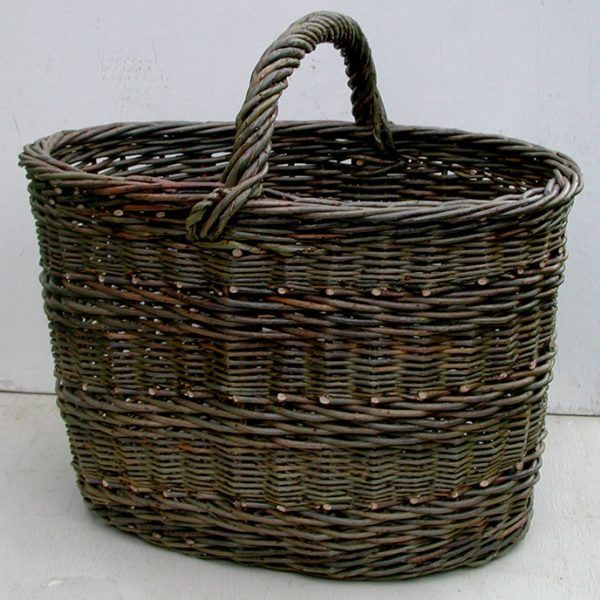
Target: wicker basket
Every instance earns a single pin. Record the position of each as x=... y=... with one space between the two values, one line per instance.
x=337 y=362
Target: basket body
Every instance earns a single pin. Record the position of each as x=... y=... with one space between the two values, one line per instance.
x=344 y=397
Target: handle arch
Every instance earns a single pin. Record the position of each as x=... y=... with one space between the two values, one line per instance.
x=243 y=176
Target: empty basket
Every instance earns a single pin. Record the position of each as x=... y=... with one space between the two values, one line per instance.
x=315 y=346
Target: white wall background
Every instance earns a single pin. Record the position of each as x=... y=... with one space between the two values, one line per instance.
x=522 y=68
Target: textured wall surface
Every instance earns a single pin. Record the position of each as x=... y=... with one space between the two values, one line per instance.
x=522 y=68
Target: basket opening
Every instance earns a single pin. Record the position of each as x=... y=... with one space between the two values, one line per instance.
x=323 y=159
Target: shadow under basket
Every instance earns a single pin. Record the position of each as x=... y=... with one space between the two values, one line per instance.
x=321 y=347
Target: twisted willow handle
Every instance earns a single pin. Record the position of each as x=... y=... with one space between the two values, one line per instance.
x=247 y=167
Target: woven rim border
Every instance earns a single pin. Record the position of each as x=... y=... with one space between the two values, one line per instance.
x=561 y=187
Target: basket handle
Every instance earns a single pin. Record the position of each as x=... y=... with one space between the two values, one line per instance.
x=243 y=176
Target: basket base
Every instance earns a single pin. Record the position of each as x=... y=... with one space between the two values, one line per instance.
x=398 y=542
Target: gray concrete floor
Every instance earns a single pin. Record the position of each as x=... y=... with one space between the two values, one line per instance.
x=52 y=547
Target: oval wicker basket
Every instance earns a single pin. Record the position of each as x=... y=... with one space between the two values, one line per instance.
x=314 y=346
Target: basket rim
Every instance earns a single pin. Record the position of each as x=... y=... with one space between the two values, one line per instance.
x=566 y=182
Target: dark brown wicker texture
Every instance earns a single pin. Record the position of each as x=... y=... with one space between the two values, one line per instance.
x=342 y=368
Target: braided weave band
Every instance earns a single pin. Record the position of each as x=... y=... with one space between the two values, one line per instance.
x=248 y=165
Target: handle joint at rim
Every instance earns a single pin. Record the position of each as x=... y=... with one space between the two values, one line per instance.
x=196 y=225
